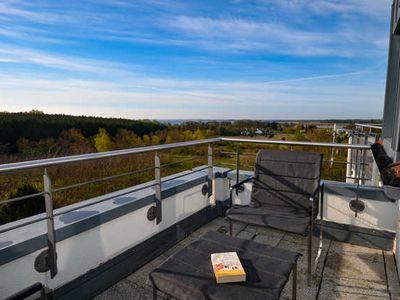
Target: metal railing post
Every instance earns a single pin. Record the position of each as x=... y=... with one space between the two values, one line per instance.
x=237 y=162
x=363 y=162
x=51 y=260
x=356 y=167
x=210 y=170
x=157 y=176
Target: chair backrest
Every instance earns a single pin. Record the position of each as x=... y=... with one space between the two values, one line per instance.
x=284 y=180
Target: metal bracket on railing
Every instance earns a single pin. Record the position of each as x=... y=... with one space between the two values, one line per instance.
x=210 y=171
x=204 y=189
x=47 y=260
x=157 y=176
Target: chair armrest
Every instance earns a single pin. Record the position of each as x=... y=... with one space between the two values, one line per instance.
x=240 y=183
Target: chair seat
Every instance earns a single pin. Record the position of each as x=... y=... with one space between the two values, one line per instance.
x=285 y=218
x=188 y=274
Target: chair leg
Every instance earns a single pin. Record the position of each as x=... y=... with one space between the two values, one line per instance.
x=154 y=292
x=320 y=245
x=309 y=255
x=230 y=227
x=294 y=281
x=321 y=235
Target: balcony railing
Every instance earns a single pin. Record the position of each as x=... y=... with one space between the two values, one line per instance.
x=49 y=257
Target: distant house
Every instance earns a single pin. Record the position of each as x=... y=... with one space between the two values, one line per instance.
x=258 y=132
x=245 y=132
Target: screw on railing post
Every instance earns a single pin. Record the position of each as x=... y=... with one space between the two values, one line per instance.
x=157 y=176
x=51 y=237
x=210 y=170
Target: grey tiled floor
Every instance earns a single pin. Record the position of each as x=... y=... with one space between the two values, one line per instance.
x=344 y=271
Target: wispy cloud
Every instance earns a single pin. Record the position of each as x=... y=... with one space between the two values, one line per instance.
x=226 y=33
x=181 y=98
x=59 y=62
x=361 y=7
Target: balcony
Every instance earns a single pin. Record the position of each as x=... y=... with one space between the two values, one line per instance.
x=344 y=271
x=105 y=246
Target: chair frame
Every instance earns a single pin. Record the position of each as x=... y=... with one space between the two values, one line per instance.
x=317 y=195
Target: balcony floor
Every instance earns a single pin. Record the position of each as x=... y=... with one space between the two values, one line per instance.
x=344 y=271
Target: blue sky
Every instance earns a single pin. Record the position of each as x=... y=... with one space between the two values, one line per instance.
x=209 y=59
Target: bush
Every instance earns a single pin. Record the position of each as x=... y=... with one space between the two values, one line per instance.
x=24 y=208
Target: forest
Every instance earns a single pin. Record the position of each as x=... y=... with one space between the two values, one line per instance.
x=35 y=135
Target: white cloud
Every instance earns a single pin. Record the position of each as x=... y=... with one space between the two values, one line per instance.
x=242 y=35
x=224 y=33
x=130 y=97
x=372 y=8
x=45 y=59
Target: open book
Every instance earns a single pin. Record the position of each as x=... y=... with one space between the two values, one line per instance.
x=227 y=267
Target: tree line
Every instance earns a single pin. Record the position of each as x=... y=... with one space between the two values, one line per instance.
x=34 y=135
x=36 y=126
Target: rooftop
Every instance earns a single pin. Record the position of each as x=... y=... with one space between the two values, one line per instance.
x=344 y=271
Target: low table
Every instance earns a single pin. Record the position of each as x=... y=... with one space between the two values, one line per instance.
x=188 y=274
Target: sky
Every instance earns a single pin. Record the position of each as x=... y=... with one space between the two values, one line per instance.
x=200 y=59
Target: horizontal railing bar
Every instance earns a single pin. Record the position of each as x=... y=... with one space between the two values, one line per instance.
x=181 y=161
x=224 y=164
x=325 y=160
x=42 y=163
x=344 y=177
x=297 y=143
x=344 y=162
x=21 y=198
x=185 y=174
x=234 y=153
x=77 y=185
x=101 y=179
x=368 y=126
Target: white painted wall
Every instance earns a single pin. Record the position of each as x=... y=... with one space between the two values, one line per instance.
x=381 y=215
x=83 y=252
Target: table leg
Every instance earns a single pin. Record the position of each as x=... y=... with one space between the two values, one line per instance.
x=294 y=283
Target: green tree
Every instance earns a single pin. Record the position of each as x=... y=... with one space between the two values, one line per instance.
x=126 y=139
x=72 y=141
x=102 y=141
x=188 y=135
x=155 y=140
x=146 y=140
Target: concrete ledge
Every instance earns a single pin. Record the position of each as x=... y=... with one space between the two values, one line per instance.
x=112 y=271
x=27 y=239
